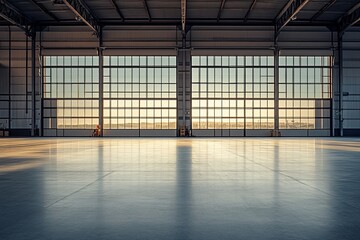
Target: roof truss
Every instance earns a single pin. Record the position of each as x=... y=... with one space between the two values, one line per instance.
x=222 y=5
x=146 y=6
x=322 y=10
x=288 y=13
x=83 y=12
x=349 y=19
x=250 y=10
x=45 y=10
x=117 y=10
x=12 y=15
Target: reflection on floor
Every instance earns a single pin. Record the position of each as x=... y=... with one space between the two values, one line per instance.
x=193 y=188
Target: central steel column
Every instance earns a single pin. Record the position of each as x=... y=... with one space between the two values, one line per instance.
x=341 y=76
x=101 y=81
x=184 y=78
x=276 y=88
x=184 y=84
x=9 y=80
x=33 y=83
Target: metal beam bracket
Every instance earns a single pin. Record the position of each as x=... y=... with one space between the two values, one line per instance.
x=249 y=10
x=146 y=6
x=288 y=14
x=118 y=10
x=347 y=21
x=83 y=12
x=322 y=10
x=222 y=5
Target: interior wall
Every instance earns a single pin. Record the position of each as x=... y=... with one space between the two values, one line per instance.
x=4 y=79
x=351 y=105
x=15 y=82
x=165 y=40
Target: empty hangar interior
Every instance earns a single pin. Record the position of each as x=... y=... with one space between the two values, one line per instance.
x=231 y=73
x=152 y=67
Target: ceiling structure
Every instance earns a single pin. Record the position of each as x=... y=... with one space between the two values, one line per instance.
x=337 y=14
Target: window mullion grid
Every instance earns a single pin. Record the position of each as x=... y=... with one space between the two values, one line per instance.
x=236 y=93
x=206 y=118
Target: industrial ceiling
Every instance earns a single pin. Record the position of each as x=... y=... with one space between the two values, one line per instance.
x=329 y=13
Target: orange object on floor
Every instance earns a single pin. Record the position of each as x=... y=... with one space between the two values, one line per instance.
x=96 y=132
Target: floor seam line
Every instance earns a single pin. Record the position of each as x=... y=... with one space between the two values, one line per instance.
x=82 y=188
x=297 y=180
x=318 y=189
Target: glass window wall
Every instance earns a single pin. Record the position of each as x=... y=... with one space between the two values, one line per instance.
x=71 y=92
x=231 y=92
x=140 y=92
x=305 y=92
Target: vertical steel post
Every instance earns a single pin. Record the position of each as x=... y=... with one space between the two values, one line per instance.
x=184 y=78
x=341 y=76
x=101 y=87
x=276 y=88
x=26 y=74
x=33 y=83
x=9 y=82
x=41 y=88
x=183 y=83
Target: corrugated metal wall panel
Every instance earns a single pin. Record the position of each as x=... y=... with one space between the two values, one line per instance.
x=351 y=107
x=20 y=117
x=351 y=84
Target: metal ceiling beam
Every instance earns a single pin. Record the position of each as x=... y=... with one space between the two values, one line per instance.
x=12 y=15
x=349 y=19
x=118 y=10
x=221 y=9
x=45 y=10
x=175 y=22
x=250 y=10
x=288 y=13
x=83 y=12
x=322 y=10
x=147 y=9
x=183 y=16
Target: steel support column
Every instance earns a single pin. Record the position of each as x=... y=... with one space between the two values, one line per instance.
x=276 y=87
x=9 y=75
x=341 y=78
x=184 y=84
x=33 y=84
x=41 y=87
x=101 y=84
x=184 y=79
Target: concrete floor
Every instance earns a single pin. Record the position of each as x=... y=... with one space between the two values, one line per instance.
x=168 y=188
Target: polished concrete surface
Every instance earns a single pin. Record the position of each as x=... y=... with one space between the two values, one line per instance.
x=169 y=188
